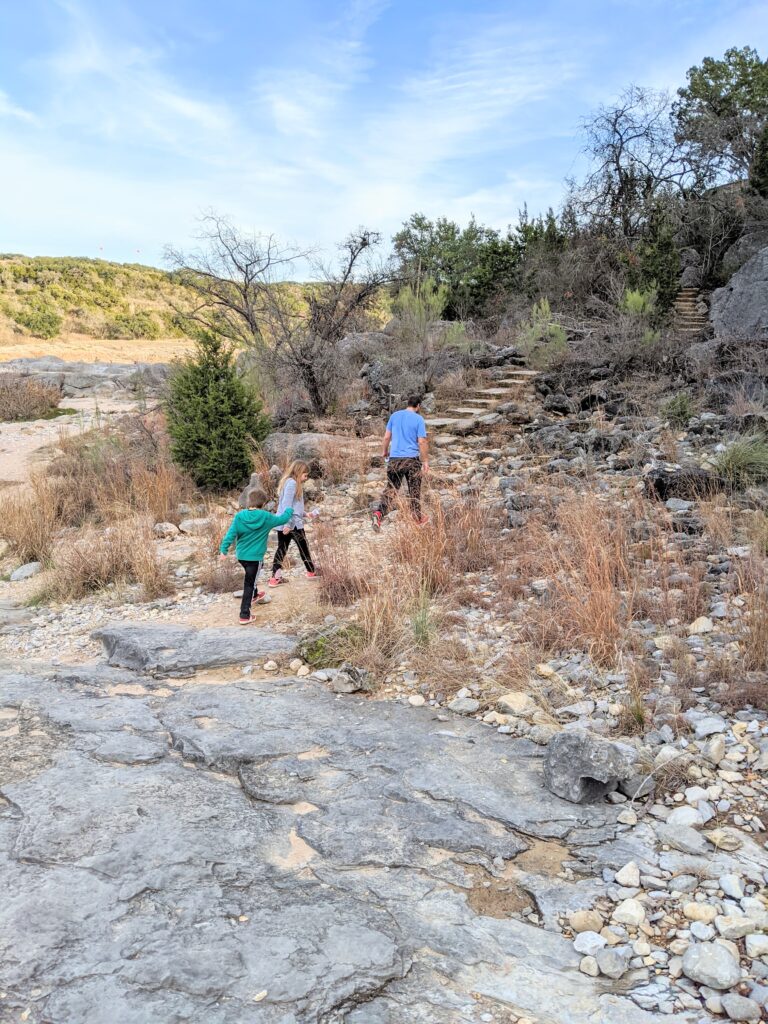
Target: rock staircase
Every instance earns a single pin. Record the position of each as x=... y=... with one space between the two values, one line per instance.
x=476 y=408
x=688 y=319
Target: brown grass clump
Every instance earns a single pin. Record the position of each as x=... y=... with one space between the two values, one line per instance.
x=587 y=559
x=122 y=554
x=344 y=577
x=24 y=398
x=28 y=522
x=215 y=576
x=341 y=459
x=755 y=638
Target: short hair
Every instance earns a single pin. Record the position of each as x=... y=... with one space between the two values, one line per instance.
x=414 y=401
x=256 y=498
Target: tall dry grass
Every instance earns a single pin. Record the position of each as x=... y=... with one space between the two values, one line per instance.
x=101 y=477
x=94 y=559
x=24 y=398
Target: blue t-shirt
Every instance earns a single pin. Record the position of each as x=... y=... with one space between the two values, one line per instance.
x=406 y=428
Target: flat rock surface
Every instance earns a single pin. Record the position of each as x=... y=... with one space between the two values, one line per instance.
x=174 y=650
x=266 y=851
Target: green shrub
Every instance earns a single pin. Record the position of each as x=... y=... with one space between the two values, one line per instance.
x=133 y=325
x=213 y=418
x=543 y=341
x=678 y=409
x=40 y=320
x=745 y=462
x=640 y=302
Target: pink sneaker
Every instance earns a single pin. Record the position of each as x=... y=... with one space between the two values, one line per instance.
x=311 y=575
x=245 y=622
x=276 y=581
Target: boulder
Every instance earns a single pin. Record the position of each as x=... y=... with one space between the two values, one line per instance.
x=740 y=309
x=711 y=964
x=195 y=527
x=283 y=448
x=77 y=379
x=582 y=768
x=26 y=571
x=688 y=484
x=171 y=650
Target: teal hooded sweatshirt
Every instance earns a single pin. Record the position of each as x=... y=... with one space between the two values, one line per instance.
x=249 y=532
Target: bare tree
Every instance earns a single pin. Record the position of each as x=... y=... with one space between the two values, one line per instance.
x=232 y=276
x=305 y=336
x=637 y=163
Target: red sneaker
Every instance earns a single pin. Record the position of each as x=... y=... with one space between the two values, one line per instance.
x=311 y=575
x=376 y=518
x=276 y=581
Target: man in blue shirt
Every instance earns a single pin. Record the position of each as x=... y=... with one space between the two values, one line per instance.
x=406 y=450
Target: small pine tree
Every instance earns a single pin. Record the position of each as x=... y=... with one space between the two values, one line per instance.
x=213 y=418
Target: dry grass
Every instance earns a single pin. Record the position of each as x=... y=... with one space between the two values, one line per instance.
x=345 y=576
x=215 y=576
x=719 y=523
x=24 y=398
x=343 y=459
x=755 y=639
x=587 y=559
x=95 y=559
x=101 y=477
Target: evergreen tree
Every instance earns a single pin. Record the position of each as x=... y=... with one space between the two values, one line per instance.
x=758 y=172
x=660 y=261
x=213 y=418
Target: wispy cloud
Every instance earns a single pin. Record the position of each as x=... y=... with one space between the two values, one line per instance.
x=10 y=109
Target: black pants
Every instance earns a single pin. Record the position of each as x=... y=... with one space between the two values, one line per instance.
x=249 y=587
x=399 y=470
x=300 y=540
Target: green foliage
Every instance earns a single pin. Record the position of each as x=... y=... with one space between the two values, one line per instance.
x=639 y=302
x=758 y=172
x=39 y=319
x=723 y=110
x=543 y=341
x=213 y=418
x=745 y=461
x=133 y=325
x=678 y=409
x=423 y=619
x=474 y=263
x=660 y=262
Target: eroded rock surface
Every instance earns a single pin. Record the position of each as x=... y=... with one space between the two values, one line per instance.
x=179 y=650
x=266 y=851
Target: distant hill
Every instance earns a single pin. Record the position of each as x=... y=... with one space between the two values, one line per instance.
x=49 y=297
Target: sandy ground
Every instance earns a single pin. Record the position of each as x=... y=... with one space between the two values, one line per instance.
x=83 y=348
x=24 y=446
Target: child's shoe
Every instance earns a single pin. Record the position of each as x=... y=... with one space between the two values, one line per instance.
x=312 y=575
x=245 y=621
x=262 y=597
x=276 y=581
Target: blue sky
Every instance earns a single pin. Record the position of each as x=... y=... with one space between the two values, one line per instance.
x=121 y=121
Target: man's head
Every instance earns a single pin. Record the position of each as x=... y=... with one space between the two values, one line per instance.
x=256 y=498
x=414 y=401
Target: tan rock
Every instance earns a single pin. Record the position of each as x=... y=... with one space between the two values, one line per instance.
x=585 y=921
x=700 y=912
x=516 y=703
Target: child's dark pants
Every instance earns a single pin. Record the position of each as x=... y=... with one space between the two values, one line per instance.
x=300 y=540
x=249 y=587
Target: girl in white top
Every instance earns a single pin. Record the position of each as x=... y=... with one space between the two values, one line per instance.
x=291 y=495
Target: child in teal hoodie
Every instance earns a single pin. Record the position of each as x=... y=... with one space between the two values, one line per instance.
x=249 y=532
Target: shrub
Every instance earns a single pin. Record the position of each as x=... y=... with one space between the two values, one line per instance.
x=23 y=398
x=132 y=325
x=640 y=302
x=40 y=320
x=678 y=409
x=28 y=520
x=745 y=461
x=543 y=341
x=213 y=419
x=122 y=554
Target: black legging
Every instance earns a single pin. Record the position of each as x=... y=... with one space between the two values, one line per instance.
x=283 y=540
x=249 y=587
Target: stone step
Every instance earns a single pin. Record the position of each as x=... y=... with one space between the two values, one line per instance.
x=445 y=440
x=465 y=410
x=456 y=424
x=495 y=392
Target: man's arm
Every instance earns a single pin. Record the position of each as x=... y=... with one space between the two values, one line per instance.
x=424 y=453
x=387 y=441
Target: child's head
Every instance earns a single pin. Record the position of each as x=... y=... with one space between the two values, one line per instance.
x=256 y=498
x=298 y=471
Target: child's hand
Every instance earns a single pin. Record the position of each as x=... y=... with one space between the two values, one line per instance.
x=222 y=558
x=286 y=529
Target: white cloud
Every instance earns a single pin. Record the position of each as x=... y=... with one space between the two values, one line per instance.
x=9 y=109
